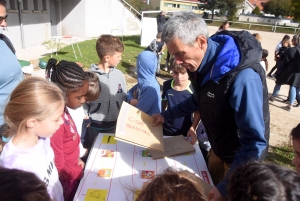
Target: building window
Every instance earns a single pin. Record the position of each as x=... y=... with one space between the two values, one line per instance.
x=25 y=5
x=13 y=5
x=170 y=5
x=188 y=7
x=44 y=2
x=35 y=5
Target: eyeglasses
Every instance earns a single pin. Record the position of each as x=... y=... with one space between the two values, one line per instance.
x=3 y=18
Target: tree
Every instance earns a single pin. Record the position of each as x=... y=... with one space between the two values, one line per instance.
x=278 y=7
x=139 y=5
x=295 y=5
x=212 y=5
x=256 y=11
x=232 y=8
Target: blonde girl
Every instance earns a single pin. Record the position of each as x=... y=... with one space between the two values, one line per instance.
x=32 y=115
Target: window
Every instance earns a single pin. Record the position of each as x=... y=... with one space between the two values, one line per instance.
x=185 y=6
x=170 y=5
x=13 y=5
x=25 y=5
x=35 y=5
x=44 y=2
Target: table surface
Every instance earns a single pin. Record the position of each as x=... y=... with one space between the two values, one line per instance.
x=114 y=169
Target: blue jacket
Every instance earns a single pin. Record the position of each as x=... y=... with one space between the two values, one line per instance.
x=246 y=99
x=148 y=88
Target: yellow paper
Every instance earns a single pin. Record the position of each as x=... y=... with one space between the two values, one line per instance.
x=95 y=195
x=108 y=139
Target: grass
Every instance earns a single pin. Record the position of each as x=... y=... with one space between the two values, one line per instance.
x=282 y=155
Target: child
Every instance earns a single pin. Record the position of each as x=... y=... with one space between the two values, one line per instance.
x=65 y=142
x=264 y=182
x=174 y=92
x=264 y=62
x=279 y=56
x=157 y=47
x=80 y=119
x=295 y=134
x=22 y=186
x=176 y=186
x=105 y=110
x=32 y=115
x=145 y=95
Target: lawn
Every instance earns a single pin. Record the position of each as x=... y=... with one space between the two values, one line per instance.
x=281 y=154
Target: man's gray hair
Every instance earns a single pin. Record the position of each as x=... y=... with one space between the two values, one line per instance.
x=186 y=26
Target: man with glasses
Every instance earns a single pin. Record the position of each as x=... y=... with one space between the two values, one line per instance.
x=10 y=70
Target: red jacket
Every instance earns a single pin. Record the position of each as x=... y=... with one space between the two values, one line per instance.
x=65 y=144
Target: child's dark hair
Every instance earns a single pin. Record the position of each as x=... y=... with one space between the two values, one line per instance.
x=22 y=186
x=158 y=35
x=264 y=56
x=176 y=186
x=176 y=67
x=94 y=87
x=69 y=76
x=264 y=182
x=108 y=45
x=295 y=133
x=3 y=3
x=257 y=36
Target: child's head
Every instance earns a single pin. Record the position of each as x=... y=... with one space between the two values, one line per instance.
x=180 y=74
x=176 y=186
x=35 y=105
x=109 y=49
x=257 y=36
x=94 y=87
x=22 y=186
x=260 y=181
x=71 y=79
x=295 y=134
x=285 y=42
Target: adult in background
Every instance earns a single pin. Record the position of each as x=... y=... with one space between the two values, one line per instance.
x=224 y=26
x=9 y=65
x=161 y=20
x=230 y=93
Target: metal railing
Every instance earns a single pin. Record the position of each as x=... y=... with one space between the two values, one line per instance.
x=131 y=9
x=273 y=27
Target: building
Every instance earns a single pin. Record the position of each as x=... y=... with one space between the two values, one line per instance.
x=176 y=5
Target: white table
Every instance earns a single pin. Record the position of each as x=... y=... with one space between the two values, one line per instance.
x=108 y=176
x=71 y=39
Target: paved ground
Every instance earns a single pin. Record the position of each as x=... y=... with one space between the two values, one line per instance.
x=281 y=121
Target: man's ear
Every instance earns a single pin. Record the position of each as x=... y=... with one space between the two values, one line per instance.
x=201 y=41
x=30 y=123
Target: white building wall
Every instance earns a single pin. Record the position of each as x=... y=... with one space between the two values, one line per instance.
x=109 y=17
x=36 y=26
x=266 y=20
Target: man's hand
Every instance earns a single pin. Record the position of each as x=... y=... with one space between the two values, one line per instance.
x=192 y=134
x=214 y=195
x=158 y=118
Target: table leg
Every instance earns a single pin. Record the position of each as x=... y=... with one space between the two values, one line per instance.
x=78 y=47
x=73 y=50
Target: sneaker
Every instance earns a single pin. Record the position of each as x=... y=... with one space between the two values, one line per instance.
x=271 y=99
x=166 y=69
x=287 y=108
x=297 y=105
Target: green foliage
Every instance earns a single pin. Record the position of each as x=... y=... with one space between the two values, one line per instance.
x=282 y=155
x=212 y=5
x=278 y=7
x=256 y=11
x=139 y=5
x=295 y=5
x=232 y=7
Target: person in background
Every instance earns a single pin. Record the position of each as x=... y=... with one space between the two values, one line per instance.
x=264 y=61
x=71 y=79
x=33 y=115
x=257 y=36
x=224 y=26
x=160 y=20
x=105 y=110
x=9 y=66
x=22 y=186
x=263 y=182
x=145 y=95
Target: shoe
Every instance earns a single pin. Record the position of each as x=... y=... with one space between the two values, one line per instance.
x=297 y=105
x=271 y=99
x=287 y=108
x=166 y=69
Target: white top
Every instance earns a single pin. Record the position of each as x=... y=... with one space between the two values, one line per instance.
x=38 y=160
x=263 y=64
x=78 y=116
x=278 y=47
